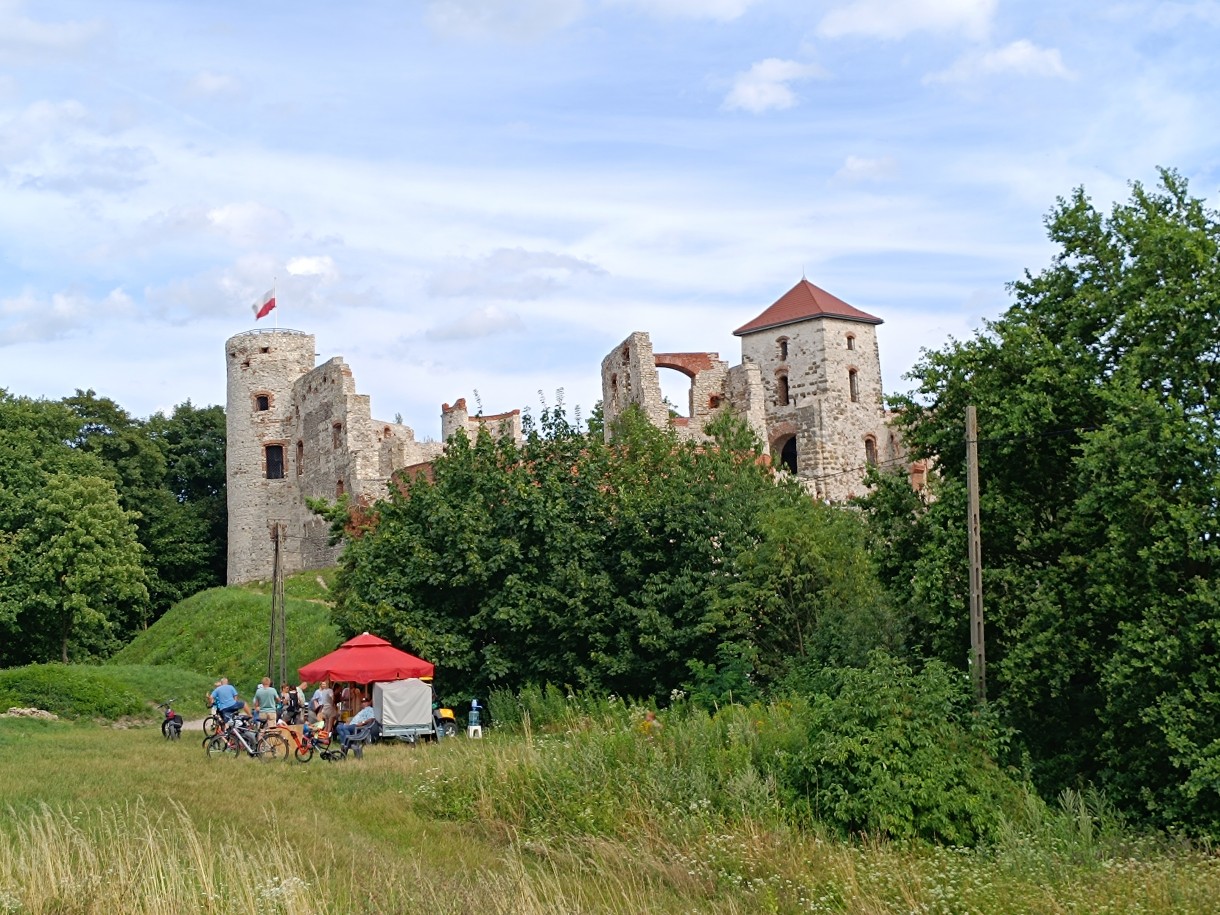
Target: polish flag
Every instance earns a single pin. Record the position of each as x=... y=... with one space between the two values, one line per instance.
x=263 y=308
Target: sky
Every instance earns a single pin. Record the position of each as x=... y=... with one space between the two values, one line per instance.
x=481 y=198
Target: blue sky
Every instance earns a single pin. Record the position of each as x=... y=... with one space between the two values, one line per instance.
x=462 y=195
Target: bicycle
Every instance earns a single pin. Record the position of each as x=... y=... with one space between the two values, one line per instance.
x=239 y=737
x=303 y=751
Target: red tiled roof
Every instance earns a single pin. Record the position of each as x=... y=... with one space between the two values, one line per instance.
x=805 y=300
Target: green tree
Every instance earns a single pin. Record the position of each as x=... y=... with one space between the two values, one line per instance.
x=1097 y=401
x=568 y=560
x=75 y=577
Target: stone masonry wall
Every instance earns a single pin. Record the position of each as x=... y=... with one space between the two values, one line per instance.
x=831 y=428
x=331 y=446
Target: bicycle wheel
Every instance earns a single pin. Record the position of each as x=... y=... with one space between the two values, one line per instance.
x=271 y=746
x=303 y=754
x=211 y=725
x=218 y=745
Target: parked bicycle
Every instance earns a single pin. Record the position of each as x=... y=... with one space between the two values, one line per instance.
x=171 y=723
x=304 y=742
x=242 y=736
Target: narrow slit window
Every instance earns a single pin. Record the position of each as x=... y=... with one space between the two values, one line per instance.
x=853 y=386
x=782 y=390
x=851 y=341
x=337 y=434
x=783 y=349
x=275 y=462
x=300 y=457
x=870 y=451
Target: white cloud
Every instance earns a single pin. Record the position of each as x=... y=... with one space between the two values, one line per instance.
x=247 y=223
x=509 y=273
x=30 y=318
x=207 y=83
x=323 y=266
x=39 y=122
x=859 y=168
x=483 y=322
x=514 y=19
x=892 y=19
x=1022 y=58
x=765 y=85
x=24 y=39
x=722 y=10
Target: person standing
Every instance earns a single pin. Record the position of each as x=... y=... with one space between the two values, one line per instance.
x=265 y=698
x=329 y=713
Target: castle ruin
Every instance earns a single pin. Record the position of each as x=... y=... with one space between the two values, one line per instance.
x=809 y=386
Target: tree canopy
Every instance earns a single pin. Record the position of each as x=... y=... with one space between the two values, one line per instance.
x=620 y=567
x=105 y=520
x=1098 y=414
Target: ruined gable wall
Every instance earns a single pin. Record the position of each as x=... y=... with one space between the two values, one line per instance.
x=746 y=394
x=501 y=425
x=629 y=376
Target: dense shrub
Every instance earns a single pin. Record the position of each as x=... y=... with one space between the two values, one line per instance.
x=891 y=751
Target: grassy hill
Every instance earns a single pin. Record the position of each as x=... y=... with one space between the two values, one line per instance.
x=110 y=691
x=224 y=631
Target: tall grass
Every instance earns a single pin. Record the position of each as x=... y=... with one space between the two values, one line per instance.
x=592 y=816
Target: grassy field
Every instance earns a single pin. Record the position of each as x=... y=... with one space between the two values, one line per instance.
x=593 y=817
x=224 y=631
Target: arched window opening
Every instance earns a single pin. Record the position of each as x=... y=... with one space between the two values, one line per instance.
x=787 y=454
x=781 y=390
x=336 y=435
x=338 y=488
x=851 y=341
x=870 y=451
x=300 y=457
x=783 y=349
x=262 y=402
x=676 y=390
x=853 y=385
x=274 y=455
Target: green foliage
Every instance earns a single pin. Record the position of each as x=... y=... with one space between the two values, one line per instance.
x=167 y=479
x=882 y=751
x=223 y=632
x=110 y=692
x=75 y=577
x=885 y=750
x=1097 y=399
x=606 y=566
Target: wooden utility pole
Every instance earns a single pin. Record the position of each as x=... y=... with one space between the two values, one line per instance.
x=978 y=651
x=279 y=627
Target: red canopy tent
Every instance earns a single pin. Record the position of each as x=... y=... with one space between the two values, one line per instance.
x=366 y=659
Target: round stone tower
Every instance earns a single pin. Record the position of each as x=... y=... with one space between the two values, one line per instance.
x=262 y=368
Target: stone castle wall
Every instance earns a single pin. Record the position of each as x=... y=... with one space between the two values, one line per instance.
x=328 y=445
x=809 y=389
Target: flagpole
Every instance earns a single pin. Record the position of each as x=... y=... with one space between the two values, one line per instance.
x=275 y=295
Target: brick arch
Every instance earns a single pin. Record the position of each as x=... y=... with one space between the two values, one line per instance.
x=689 y=364
x=780 y=431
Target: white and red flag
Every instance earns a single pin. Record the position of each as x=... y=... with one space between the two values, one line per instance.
x=263 y=307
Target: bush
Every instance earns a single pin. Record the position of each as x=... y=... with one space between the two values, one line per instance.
x=888 y=751
x=81 y=691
